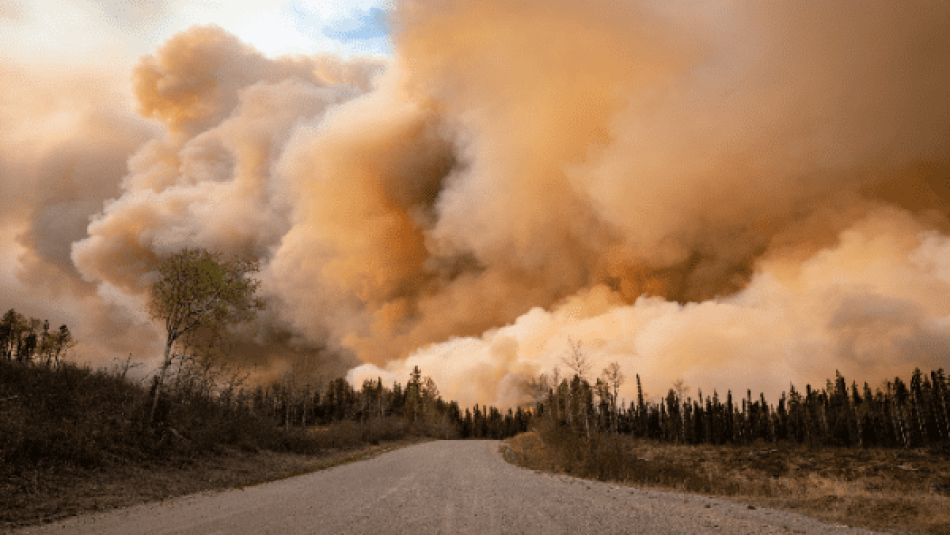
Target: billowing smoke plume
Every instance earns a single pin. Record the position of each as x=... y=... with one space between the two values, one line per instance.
x=736 y=194
x=722 y=160
x=872 y=306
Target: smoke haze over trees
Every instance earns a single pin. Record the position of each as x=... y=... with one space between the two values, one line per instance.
x=737 y=195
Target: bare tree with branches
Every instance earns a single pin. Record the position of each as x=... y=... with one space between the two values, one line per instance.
x=576 y=359
x=613 y=377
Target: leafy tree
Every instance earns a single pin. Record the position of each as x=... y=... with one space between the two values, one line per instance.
x=197 y=289
x=429 y=395
x=413 y=393
x=13 y=326
x=55 y=344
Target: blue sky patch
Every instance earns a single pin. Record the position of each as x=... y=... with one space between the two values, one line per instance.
x=364 y=31
x=370 y=24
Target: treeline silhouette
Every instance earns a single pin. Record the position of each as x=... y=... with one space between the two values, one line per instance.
x=55 y=411
x=418 y=405
x=901 y=414
x=28 y=339
x=587 y=433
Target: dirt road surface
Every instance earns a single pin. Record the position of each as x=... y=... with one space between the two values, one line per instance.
x=439 y=487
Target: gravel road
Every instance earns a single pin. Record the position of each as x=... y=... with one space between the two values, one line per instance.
x=439 y=487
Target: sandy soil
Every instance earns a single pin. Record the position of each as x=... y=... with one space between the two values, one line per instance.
x=440 y=487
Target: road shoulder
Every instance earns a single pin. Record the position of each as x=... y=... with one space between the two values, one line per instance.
x=50 y=494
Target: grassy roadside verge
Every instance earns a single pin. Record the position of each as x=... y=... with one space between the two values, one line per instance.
x=903 y=491
x=47 y=494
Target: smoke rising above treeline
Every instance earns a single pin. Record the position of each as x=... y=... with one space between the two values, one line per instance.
x=736 y=194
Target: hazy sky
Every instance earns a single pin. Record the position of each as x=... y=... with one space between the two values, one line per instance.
x=116 y=32
x=66 y=71
x=737 y=194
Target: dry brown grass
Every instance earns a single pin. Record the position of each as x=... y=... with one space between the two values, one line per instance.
x=894 y=490
x=47 y=494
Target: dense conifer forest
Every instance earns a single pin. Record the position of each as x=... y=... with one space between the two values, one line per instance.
x=900 y=414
